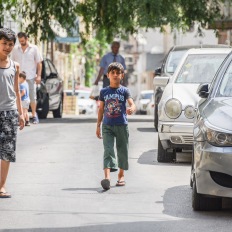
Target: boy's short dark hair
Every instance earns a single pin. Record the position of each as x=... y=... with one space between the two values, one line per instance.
x=7 y=34
x=115 y=66
x=22 y=34
x=23 y=75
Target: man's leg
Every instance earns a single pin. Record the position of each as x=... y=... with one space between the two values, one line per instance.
x=33 y=108
x=32 y=95
x=4 y=172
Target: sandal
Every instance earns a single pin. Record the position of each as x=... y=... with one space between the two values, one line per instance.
x=121 y=183
x=5 y=195
x=105 y=183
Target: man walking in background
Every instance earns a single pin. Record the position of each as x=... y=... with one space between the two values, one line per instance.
x=107 y=59
x=30 y=60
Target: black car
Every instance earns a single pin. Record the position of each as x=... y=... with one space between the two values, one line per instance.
x=49 y=92
x=169 y=66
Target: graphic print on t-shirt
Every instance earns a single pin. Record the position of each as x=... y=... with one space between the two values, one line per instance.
x=113 y=108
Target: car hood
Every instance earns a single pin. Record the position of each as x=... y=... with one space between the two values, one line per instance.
x=219 y=113
x=186 y=93
x=144 y=101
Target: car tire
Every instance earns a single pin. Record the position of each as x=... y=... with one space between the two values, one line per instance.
x=163 y=156
x=59 y=111
x=44 y=105
x=203 y=203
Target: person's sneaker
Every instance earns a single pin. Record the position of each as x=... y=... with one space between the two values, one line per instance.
x=35 y=120
x=27 y=123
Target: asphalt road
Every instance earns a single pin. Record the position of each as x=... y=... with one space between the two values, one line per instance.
x=55 y=184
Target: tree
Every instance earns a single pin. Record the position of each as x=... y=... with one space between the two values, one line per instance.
x=124 y=17
x=112 y=17
x=6 y=6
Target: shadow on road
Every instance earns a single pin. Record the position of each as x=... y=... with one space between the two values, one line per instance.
x=177 y=202
x=146 y=129
x=150 y=158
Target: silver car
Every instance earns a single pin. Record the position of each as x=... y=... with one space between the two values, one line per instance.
x=177 y=106
x=211 y=177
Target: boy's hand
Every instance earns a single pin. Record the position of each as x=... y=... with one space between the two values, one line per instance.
x=130 y=110
x=21 y=122
x=98 y=132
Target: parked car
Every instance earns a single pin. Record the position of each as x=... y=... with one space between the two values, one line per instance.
x=168 y=68
x=50 y=91
x=142 y=101
x=85 y=104
x=176 y=110
x=211 y=176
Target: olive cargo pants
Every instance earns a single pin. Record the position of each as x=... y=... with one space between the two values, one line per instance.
x=119 y=133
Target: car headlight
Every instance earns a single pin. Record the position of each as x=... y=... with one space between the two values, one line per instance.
x=189 y=112
x=173 y=108
x=218 y=138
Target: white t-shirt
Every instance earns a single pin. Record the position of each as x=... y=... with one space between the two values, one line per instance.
x=28 y=59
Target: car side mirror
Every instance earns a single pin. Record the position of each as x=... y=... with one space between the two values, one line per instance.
x=160 y=81
x=203 y=90
x=157 y=71
x=52 y=75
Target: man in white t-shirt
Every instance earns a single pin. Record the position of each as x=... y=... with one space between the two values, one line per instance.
x=30 y=60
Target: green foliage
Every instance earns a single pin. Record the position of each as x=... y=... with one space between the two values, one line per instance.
x=123 y=17
x=93 y=48
x=7 y=6
x=112 y=17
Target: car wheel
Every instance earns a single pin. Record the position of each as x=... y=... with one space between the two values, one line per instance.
x=203 y=203
x=43 y=107
x=163 y=156
x=59 y=111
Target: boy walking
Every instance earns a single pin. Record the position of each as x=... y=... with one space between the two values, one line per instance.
x=24 y=90
x=11 y=112
x=113 y=112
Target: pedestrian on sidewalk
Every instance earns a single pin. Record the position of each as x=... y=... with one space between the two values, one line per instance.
x=107 y=59
x=113 y=112
x=24 y=91
x=30 y=61
x=11 y=113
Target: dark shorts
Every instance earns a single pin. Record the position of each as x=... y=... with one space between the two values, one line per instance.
x=8 y=134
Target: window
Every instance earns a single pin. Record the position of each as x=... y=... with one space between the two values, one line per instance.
x=200 y=68
x=225 y=89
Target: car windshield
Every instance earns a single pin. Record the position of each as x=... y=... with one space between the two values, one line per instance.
x=225 y=89
x=200 y=68
x=173 y=60
x=146 y=95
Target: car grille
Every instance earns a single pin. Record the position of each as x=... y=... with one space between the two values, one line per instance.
x=181 y=139
x=222 y=179
x=187 y=139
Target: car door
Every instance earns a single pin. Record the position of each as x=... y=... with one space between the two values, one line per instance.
x=53 y=84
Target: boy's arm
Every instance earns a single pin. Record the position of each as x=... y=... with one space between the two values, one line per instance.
x=18 y=98
x=131 y=109
x=99 y=119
